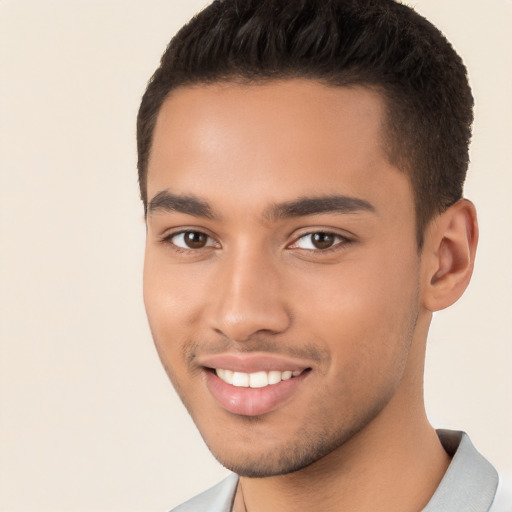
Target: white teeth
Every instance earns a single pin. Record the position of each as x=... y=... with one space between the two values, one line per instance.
x=241 y=379
x=258 y=380
x=228 y=376
x=255 y=380
x=274 y=377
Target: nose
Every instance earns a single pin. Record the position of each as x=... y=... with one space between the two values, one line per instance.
x=248 y=298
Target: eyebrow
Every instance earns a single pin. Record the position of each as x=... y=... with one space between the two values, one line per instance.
x=317 y=205
x=191 y=205
x=167 y=202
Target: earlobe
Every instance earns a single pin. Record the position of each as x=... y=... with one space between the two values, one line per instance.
x=448 y=255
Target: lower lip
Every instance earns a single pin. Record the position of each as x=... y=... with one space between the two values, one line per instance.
x=252 y=401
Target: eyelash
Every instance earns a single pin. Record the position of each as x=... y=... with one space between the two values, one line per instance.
x=340 y=242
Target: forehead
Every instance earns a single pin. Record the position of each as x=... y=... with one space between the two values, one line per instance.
x=271 y=142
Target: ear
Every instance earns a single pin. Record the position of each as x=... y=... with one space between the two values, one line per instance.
x=448 y=255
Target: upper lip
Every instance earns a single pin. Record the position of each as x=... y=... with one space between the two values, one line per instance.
x=253 y=362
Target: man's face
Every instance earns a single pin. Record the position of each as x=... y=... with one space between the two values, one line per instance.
x=280 y=242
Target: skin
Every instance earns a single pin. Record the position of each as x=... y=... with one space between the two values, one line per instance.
x=353 y=435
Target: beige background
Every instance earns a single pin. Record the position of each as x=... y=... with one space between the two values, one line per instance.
x=88 y=421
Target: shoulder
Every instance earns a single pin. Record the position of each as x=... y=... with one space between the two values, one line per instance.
x=218 y=498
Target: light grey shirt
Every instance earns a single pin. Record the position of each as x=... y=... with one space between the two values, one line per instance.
x=469 y=484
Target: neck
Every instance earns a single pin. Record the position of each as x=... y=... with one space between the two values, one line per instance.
x=393 y=465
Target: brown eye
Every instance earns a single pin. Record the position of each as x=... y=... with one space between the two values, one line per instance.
x=319 y=241
x=191 y=240
x=323 y=240
x=195 y=239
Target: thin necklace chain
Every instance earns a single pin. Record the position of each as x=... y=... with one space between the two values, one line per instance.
x=241 y=501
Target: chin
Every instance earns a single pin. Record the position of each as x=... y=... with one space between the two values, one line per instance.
x=299 y=452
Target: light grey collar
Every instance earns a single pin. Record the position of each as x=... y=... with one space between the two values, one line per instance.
x=469 y=484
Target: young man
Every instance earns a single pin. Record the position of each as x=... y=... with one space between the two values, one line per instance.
x=301 y=166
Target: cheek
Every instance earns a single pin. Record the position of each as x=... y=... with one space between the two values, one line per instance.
x=169 y=299
x=363 y=311
x=173 y=294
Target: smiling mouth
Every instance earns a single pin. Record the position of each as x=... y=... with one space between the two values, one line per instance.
x=259 y=379
x=256 y=391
